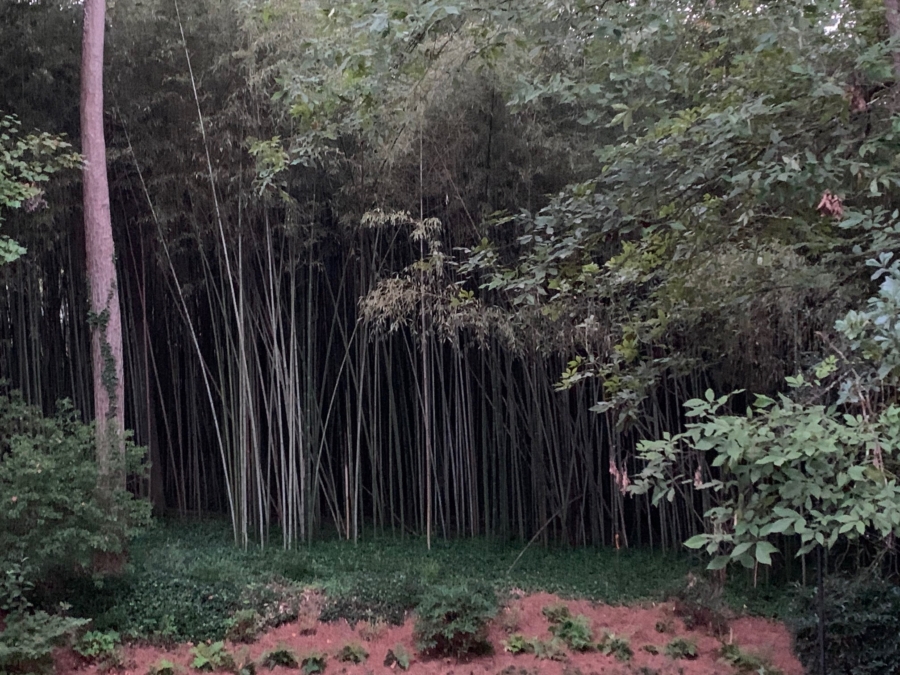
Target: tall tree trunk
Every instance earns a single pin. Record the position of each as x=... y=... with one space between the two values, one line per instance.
x=105 y=316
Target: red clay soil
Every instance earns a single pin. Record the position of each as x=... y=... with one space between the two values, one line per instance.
x=638 y=624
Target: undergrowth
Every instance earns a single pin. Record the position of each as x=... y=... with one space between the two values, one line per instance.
x=452 y=621
x=187 y=581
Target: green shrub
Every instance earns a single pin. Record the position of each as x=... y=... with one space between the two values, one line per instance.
x=280 y=656
x=399 y=657
x=26 y=645
x=50 y=517
x=747 y=663
x=98 y=645
x=863 y=627
x=453 y=621
x=49 y=509
x=313 y=662
x=682 y=648
x=619 y=647
x=27 y=642
x=212 y=656
x=243 y=626
x=556 y=612
x=575 y=631
x=518 y=644
x=352 y=652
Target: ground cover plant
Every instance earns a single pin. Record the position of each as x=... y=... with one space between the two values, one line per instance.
x=575 y=631
x=244 y=625
x=747 y=663
x=186 y=581
x=452 y=621
x=352 y=652
x=280 y=656
x=681 y=648
x=212 y=656
x=553 y=649
x=615 y=645
x=313 y=662
x=397 y=656
x=100 y=647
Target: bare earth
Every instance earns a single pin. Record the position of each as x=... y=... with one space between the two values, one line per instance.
x=522 y=615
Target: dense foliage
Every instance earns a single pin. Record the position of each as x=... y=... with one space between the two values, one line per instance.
x=26 y=162
x=359 y=231
x=453 y=267
x=51 y=524
x=50 y=516
x=862 y=627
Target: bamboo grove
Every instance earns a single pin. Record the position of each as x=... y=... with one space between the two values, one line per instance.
x=405 y=266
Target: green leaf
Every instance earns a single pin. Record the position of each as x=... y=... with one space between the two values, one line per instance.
x=719 y=562
x=697 y=541
x=764 y=551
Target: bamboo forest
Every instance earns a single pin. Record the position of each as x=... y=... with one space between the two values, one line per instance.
x=503 y=336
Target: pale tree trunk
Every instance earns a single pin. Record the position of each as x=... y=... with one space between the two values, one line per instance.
x=105 y=316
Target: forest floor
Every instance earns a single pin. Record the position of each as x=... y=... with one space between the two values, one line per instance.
x=186 y=584
x=648 y=628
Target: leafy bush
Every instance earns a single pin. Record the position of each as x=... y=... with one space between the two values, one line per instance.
x=453 y=621
x=313 y=662
x=49 y=510
x=682 y=648
x=50 y=517
x=212 y=656
x=27 y=642
x=612 y=645
x=352 y=652
x=399 y=657
x=863 y=627
x=98 y=646
x=747 y=663
x=280 y=656
x=519 y=644
x=575 y=631
x=556 y=612
x=243 y=626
